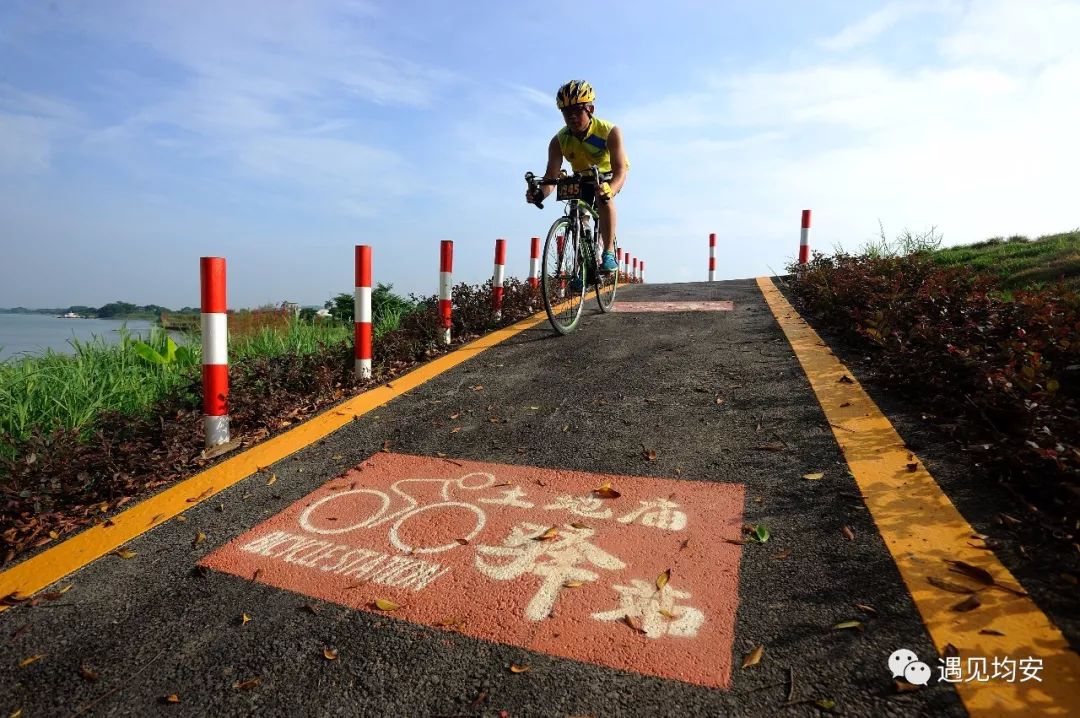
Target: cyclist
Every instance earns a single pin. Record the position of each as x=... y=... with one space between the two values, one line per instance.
x=587 y=140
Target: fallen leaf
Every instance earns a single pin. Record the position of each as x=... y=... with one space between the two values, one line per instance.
x=386 y=446
x=17 y=713
x=814 y=476
x=181 y=519
x=968 y=604
x=947 y=585
x=633 y=623
x=761 y=534
x=516 y=668
x=668 y=614
x=383 y=605
x=685 y=543
x=548 y=535
x=845 y=379
x=32 y=659
x=869 y=610
x=573 y=584
x=979 y=574
x=848 y=624
x=912 y=466
x=753 y=657
x=201 y=496
x=199 y=538
x=478 y=387
x=845 y=404
x=88 y=674
x=991 y=632
x=171 y=698
x=579 y=525
x=448 y=622
x=244 y=619
x=719 y=400
x=648 y=454
x=54 y=595
x=848 y=533
x=220 y=449
x=606 y=492
x=662 y=579
x=825 y=704
x=455 y=430
x=124 y=553
x=461 y=541
x=272 y=479
x=249 y=683
x=455 y=415
x=330 y=654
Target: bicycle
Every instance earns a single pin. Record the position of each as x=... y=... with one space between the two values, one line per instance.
x=571 y=256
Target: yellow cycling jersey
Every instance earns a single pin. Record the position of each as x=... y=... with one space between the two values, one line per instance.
x=592 y=150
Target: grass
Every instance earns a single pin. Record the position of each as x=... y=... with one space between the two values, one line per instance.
x=70 y=390
x=1019 y=262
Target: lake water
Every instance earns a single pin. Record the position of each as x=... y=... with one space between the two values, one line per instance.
x=32 y=334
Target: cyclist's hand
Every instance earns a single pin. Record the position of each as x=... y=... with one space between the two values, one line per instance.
x=605 y=191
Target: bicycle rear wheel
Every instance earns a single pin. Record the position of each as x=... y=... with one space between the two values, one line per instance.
x=606 y=284
x=560 y=267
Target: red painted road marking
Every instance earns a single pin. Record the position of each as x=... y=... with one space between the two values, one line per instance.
x=725 y=306
x=519 y=555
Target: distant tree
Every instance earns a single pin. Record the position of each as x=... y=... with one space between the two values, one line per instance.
x=116 y=309
x=341 y=307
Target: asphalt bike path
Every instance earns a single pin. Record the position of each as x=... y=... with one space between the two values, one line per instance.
x=558 y=526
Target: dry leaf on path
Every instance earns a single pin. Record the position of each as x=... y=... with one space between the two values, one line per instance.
x=869 y=610
x=88 y=673
x=662 y=579
x=245 y=685
x=547 y=535
x=32 y=659
x=271 y=480
x=383 y=605
x=244 y=619
x=606 y=492
x=124 y=553
x=968 y=604
x=753 y=657
x=848 y=533
x=330 y=654
x=516 y=668
x=815 y=476
x=848 y=624
x=199 y=538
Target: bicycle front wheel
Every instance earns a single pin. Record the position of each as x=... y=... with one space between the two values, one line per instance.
x=562 y=277
x=606 y=284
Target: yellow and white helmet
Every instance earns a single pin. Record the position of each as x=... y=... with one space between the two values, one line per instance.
x=575 y=92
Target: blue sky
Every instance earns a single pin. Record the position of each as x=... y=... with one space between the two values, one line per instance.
x=136 y=137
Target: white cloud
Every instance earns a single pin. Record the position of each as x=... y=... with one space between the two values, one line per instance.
x=871 y=27
x=1026 y=34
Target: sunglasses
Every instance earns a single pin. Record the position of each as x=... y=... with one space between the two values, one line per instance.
x=574 y=110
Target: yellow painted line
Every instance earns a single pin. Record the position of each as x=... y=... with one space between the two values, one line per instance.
x=72 y=554
x=922 y=529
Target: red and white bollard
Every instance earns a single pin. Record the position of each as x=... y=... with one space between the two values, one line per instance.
x=804 y=238
x=642 y=275
x=634 y=275
x=534 y=263
x=712 y=257
x=497 y=278
x=446 y=269
x=618 y=256
x=626 y=265
x=362 y=311
x=215 y=351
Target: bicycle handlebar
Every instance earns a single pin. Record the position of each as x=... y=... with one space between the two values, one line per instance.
x=536 y=184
